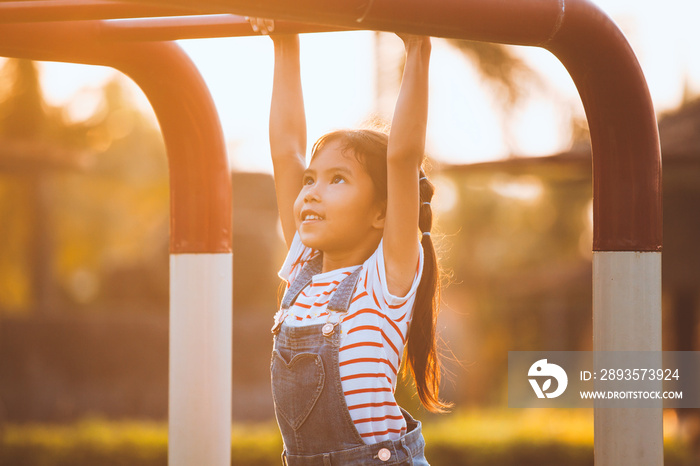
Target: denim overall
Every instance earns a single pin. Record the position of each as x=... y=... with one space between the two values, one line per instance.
x=309 y=402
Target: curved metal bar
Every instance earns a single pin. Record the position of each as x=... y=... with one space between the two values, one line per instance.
x=627 y=189
x=200 y=186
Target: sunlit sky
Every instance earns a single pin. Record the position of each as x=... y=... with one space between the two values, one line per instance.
x=465 y=124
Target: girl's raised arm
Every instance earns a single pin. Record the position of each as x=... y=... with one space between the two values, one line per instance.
x=404 y=157
x=287 y=128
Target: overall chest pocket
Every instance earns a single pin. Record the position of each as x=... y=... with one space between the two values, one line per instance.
x=296 y=385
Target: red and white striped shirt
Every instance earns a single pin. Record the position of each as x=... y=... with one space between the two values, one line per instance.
x=373 y=335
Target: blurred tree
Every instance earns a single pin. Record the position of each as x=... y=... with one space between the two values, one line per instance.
x=80 y=197
x=25 y=125
x=518 y=238
x=112 y=221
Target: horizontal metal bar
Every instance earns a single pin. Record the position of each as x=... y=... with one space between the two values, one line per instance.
x=193 y=27
x=74 y=10
x=530 y=22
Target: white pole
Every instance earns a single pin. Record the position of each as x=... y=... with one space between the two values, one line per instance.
x=627 y=317
x=200 y=359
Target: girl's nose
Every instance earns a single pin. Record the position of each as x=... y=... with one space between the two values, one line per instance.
x=311 y=194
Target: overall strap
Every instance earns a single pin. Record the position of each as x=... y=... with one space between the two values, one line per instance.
x=311 y=268
x=340 y=299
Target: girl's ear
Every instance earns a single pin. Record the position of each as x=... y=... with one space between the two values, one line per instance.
x=379 y=215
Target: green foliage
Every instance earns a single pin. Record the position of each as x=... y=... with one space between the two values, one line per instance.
x=479 y=437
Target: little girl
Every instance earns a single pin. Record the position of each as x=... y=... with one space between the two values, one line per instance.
x=361 y=273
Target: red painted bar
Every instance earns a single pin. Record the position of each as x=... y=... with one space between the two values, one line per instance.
x=625 y=144
x=200 y=182
x=73 y=10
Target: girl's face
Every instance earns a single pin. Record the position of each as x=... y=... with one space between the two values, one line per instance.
x=336 y=211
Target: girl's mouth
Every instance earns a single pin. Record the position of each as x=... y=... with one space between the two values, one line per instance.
x=310 y=216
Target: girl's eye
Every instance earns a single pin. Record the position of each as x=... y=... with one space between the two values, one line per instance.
x=338 y=179
x=308 y=181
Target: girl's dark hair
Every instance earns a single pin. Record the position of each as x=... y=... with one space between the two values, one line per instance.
x=370 y=149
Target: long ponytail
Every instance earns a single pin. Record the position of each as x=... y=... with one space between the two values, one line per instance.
x=422 y=356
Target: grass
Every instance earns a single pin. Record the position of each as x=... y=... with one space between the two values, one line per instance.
x=495 y=427
x=90 y=441
x=475 y=437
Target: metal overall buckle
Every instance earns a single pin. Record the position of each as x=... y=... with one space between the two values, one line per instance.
x=329 y=327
